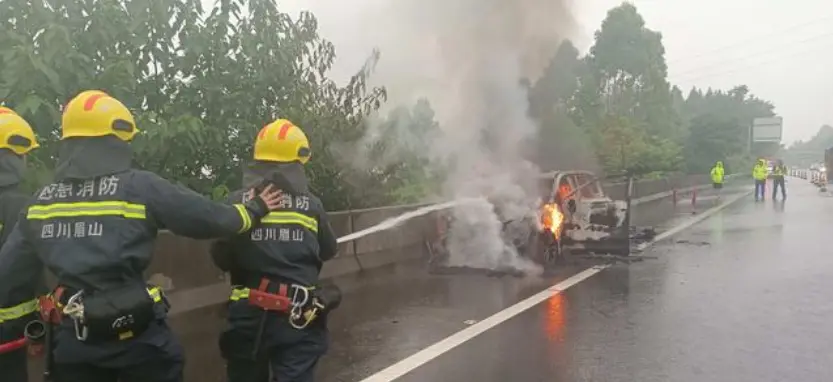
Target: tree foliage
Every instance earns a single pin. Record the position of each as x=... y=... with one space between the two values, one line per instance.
x=719 y=128
x=201 y=83
x=617 y=102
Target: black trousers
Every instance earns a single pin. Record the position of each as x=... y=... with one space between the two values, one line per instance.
x=290 y=354
x=153 y=356
x=13 y=366
x=776 y=182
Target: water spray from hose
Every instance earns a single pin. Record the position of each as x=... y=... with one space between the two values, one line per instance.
x=399 y=220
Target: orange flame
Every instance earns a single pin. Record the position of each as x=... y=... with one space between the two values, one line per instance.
x=552 y=219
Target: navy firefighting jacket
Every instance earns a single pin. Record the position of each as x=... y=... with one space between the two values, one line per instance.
x=99 y=233
x=289 y=244
x=15 y=313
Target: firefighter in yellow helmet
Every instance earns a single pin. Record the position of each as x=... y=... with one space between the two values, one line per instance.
x=94 y=228
x=275 y=269
x=19 y=307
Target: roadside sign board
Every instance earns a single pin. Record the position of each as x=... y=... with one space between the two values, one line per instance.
x=767 y=129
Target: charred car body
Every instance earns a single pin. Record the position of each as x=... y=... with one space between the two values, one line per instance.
x=577 y=217
x=574 y=216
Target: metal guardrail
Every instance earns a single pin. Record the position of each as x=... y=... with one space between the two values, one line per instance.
x=642 y=188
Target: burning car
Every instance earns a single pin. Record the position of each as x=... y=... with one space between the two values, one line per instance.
x=574 y=216
x=577 y=216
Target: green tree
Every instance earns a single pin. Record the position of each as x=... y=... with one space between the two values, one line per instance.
x=561 y=144
x=719 y=127
x=625 y=147
x=627 y=72
x=619 y=102
x=201 y=84
x=711 y=138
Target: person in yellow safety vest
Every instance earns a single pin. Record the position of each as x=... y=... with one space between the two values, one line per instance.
x=717 y=174
x=759 y=172
x=778 y=173
x=17 y=139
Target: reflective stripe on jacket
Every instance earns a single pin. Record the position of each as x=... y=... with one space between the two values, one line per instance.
x=18 y=311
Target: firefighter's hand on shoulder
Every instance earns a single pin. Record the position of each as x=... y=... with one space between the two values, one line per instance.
x=268 y=199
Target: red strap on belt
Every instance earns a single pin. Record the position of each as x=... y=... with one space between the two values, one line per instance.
x=49 y=311
x=279 y=302
x=13 y=345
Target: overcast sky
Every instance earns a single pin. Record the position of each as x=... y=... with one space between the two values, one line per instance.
x=783 y=50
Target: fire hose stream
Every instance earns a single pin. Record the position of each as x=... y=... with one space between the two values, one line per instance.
x=398 y=220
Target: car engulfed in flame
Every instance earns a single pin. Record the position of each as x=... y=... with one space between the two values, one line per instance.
x=576 y=216
x=552 y=219
x=572 y=215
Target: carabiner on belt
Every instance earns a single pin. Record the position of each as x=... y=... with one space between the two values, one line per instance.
x=300 y=298
x=296 y=314
x=74 y=309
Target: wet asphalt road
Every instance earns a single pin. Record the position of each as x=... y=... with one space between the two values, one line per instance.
x=741 y=296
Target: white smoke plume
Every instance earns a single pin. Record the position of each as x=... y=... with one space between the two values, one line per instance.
x=468 y=58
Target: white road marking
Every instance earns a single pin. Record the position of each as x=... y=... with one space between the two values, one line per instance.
x=408 y=364
x=426 y=355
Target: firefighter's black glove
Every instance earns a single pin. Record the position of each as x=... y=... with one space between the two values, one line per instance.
x=329 y=296
x=264 y=198
x=257 y=206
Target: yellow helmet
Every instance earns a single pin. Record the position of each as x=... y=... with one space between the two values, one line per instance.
x=15 y=133
x=282 y=141
x=94 y=113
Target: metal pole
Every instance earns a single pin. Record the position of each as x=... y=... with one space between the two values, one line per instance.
x=627 y=225
x=353 y=242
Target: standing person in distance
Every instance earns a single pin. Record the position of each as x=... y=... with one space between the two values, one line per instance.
x=759 y=172
x=18 y=308
x=278 y=311
x=718 y=175
x=94 y=228
x=779 y=171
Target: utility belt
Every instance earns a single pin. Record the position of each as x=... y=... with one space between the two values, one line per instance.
x=116 y=314
x=302 y=303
